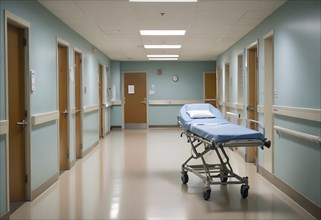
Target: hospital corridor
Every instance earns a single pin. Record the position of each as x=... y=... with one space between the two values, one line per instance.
x=160 y=109
x=135 y=174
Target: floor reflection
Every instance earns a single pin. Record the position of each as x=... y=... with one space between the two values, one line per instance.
x=135 y=174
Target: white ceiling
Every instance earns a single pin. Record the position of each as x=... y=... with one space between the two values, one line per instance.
x=113 y=26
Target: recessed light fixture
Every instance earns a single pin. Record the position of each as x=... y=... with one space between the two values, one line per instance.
x=163 y=56
x=162 y=32
x=163 y=0
x=162 y=46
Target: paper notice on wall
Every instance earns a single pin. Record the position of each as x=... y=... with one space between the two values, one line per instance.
x=33 y=80
x=131 y=89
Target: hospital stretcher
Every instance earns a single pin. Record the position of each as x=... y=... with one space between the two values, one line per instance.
x=207 y=130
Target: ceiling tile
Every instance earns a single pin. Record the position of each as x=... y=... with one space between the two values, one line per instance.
x=113 y=25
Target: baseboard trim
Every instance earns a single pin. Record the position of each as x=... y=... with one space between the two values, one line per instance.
x=115 y=127
x=43 y=187
x=72 y=163
x=309 y=206
x=85 y=152
x=5 y=216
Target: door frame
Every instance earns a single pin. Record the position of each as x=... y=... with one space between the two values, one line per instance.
x=77 y=50
x=107 y=98
x=123 y=97
x=21 y=23
x=66 y=44
x=255 y=43
x=101 y=116
x=268 y=156
x=227 y=85
x=240 y=77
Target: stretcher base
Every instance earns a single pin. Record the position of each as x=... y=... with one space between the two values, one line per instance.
x=211 y=174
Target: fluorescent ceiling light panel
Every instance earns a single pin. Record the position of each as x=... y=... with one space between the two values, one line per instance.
x=163 y=0
x=162 y=46
x=167 y=58
x=163 y=32
x=163 y=56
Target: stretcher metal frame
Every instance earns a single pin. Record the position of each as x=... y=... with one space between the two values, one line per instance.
x=221 y=173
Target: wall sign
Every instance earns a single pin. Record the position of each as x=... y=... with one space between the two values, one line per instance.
x=131 y=89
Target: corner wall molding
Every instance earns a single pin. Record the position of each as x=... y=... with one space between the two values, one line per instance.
x=4 y=127
x=303 y=113
x=41 y=118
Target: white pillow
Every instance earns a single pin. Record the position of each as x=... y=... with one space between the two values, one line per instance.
x=200 y=114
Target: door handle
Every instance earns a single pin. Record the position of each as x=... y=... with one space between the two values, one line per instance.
x=65 y=112
x=22 y=123
x=144 y=102
x=249 y=108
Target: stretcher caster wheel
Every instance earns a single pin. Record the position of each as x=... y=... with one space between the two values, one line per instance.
x=206 y=193
x=245 y=191
x=184 y=177
x=223 y=177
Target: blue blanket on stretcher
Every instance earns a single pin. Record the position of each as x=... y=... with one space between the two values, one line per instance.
x=208 y=122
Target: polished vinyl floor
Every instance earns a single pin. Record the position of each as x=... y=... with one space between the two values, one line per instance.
x=135 y=174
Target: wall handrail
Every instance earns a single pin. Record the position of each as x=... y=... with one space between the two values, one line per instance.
x=90 y=108
x=296 y=112
x=173 y=102
x=45 y=117
x=305 y=136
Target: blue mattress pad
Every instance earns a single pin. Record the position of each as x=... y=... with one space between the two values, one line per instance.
x=214 y=128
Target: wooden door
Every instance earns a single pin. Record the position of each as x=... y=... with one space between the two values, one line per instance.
x=17 y=113
x=78 y=103
x=63 y=107
x=210 y=88
x=135 y=100
x=101 y=107
x=252 y=97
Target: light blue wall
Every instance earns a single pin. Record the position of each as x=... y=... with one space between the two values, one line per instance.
x=44 y=30
x=44 y=153
x=115 y=80
x=3 y=173
x=296 y=27
x=189 y=86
